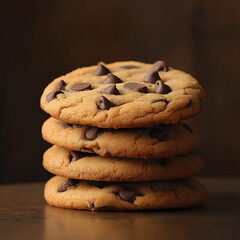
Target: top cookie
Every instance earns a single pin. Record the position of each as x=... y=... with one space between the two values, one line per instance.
x=123 y=95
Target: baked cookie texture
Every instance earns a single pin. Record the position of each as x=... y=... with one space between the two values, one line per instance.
x=132 y=97
x=79 y=165
x=157 y=142
x=119 y=143
x=114 y=196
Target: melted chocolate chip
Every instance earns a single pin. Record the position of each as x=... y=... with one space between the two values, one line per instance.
x=128 y=195
x=101 y=70
x=159 y=133
x=112 y=89
x=65 y=124
x=52 y=95
x=81 y=87
x=152 y=77
x=136 y=87
x=160 y=66
x=104 y=104
x=161 y=87
x=111 y=78
x=129 y=67
x=75 y=155
x=61 y=85
x=160 y=100
x=70 y=183
x=91 y=133
x=62 y=188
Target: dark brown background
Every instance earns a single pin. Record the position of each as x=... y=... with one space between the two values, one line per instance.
x=41 y=40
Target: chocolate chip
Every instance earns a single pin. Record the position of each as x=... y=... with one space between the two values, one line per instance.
x=152 y=77
x=128 y=195
x=160 y=66
x=159 y=133
x=74 y=155
x=70 y=183
x=81 y=87
x=129 y=67
x=161 y=87
x=112 y=89
x=61 y=85
x=160 y=100
x=62 y=188
x=104 y=104
x=91 y=133
x=65 y=124
x=52 y=95
x=101 y=70
x=111 y=78
x=136 y=86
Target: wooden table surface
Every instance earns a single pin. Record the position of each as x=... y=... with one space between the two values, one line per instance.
x=25 y=215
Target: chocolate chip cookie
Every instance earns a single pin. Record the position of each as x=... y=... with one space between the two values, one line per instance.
x=80 y=165
x=155 y=142
x=123 y=95
x=115 y=196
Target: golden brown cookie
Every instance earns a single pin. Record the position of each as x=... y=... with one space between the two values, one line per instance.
x=113 y=196
x=156 y=142
x=79 y=165
x=123 y=95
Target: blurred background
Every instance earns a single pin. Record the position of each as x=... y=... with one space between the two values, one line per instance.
x=41 y=40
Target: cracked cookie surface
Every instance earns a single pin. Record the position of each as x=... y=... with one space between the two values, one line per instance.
x=148 y=143
x=112 y=196
x=79 y=165
x=127 y=97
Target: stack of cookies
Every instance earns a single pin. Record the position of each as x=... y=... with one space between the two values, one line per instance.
x=118 y=140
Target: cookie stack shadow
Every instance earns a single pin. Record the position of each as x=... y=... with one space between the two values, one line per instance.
x=106 y=160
